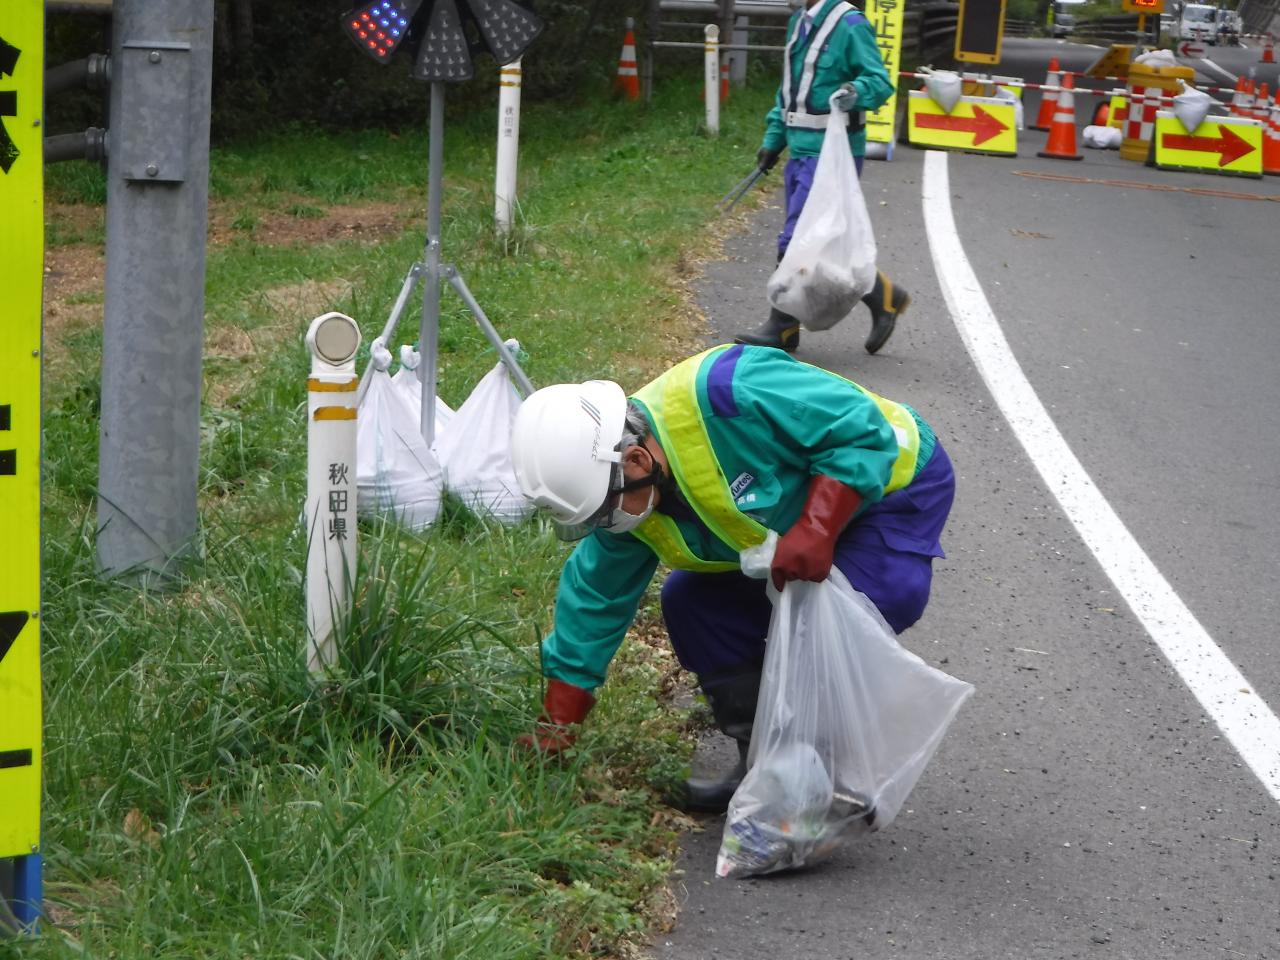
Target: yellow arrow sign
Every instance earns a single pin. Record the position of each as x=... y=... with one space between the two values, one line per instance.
x=1219 y=145
x=981 y=124
x=21 y=276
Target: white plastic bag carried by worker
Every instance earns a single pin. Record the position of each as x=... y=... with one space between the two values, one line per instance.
x=475 y=448
x=830 y=263
x=845 y=723
x=396 y=475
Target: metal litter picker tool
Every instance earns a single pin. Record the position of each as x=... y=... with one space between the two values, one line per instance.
x=730 y=199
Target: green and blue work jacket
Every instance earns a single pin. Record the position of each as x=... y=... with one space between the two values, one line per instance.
x=846 y=54
x=744 y=430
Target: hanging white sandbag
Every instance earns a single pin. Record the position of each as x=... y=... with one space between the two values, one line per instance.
x=1191 y=106
x=475 y=449
x=945 y=87
x=407 y=382
x=396 y=475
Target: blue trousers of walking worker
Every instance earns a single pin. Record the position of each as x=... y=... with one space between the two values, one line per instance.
x=718 y=621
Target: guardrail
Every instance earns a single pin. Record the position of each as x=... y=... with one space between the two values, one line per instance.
x=1020 y=28
x=935 y=37
x=1114 y=29
x=928 y=29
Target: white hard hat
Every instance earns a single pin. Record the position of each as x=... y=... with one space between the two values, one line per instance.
x=564 y=447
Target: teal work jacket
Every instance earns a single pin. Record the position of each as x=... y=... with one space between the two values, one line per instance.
x=773 y=423
x=850 y=56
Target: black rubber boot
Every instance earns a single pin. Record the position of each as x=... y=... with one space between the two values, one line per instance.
x=781 y=330
x=732 y=697
x=885 y=302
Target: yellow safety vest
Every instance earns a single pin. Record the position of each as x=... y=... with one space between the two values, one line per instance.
x=676 y=415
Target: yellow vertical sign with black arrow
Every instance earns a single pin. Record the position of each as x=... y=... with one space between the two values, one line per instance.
x=21 y=286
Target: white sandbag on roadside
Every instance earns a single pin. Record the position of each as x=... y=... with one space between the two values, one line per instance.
x=475 y=449
x=1101 y=138
x=406 y=381
x=396 y=475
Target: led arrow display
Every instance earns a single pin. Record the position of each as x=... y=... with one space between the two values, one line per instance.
x=982 y=125
x=1229 y=146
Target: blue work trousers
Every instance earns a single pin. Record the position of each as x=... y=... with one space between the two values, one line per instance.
x=718 y=621
x=797 y=179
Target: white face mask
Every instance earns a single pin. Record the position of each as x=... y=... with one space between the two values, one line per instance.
x=620 y=521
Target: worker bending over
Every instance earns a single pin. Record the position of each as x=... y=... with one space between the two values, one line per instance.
x=697 y=466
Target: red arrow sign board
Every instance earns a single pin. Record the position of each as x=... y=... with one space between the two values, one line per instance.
x=982 y=125
x=1189 y=49
x=1229 y=146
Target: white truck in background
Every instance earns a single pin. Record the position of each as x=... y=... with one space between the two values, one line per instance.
x=1196 y=21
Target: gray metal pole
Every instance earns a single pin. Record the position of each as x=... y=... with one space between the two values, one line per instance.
x=429 y=333
x=153 y=323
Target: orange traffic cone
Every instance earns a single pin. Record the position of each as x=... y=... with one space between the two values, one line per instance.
x=1102 y=115
x=1048 y=98
x=1062 y=132
x=1237 y=99
x=1268 y=50
x=1271 y=145
x=627 y=82
x=1247 y=98
x=1262 y=105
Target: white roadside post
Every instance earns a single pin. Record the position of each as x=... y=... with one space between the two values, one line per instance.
x=712 y=71
x=504 y=191
x=331 y=483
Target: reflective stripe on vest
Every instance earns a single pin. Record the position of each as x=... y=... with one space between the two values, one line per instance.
x=907 y=432
x=672 y=404
x=799 y=103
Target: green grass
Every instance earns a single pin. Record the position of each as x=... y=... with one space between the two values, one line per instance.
x=203 y=797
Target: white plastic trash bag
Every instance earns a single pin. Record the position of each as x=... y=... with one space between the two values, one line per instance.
x=831 y=262
x=395 y=472
x=846 y=722
x=475 y=449
x=406 y=381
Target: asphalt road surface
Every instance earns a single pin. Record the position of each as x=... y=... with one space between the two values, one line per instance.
x=1086 y=803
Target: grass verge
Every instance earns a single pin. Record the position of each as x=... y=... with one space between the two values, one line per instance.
x=204 y=799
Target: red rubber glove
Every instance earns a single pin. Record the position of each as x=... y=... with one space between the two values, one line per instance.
x=804 y=552
x=563 y=705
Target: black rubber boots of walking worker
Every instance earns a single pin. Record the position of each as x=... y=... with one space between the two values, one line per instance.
x=885 y=301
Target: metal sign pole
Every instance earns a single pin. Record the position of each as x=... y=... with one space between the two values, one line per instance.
x=153 y=316
x=429 y=331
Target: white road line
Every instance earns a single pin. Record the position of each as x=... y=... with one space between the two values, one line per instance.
x=1246 y=721
x=1230 y=77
